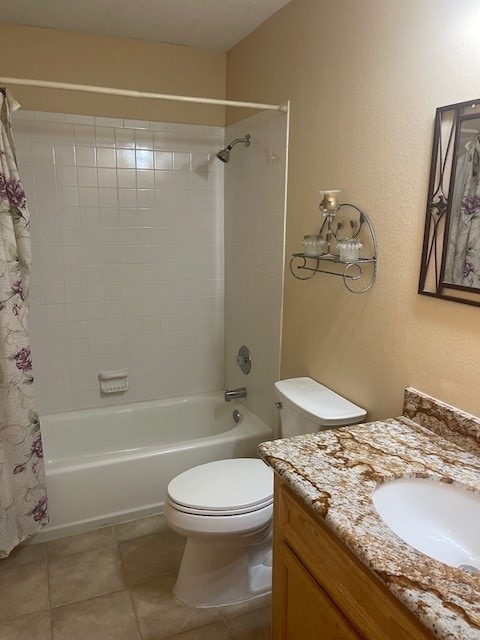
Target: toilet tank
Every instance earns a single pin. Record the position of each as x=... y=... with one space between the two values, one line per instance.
x=308 y=406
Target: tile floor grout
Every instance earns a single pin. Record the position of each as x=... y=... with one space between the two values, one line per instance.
x=134 y=609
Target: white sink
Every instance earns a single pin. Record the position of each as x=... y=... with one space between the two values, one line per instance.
x=438 y=519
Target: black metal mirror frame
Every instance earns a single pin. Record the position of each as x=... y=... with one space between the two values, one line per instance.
x=448 y=121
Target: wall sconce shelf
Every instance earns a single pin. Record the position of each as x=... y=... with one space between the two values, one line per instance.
x=359 y=269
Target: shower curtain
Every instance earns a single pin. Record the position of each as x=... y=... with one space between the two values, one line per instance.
x=23 y=501
x=463 y=255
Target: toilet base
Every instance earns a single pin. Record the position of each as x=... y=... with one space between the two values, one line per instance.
x=224 y=570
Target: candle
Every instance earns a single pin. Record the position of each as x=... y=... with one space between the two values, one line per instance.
x=330 y=203
x=349 y=249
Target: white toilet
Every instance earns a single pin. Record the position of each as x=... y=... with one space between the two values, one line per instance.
x=225 y=508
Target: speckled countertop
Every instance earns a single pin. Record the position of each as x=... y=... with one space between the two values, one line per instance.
x=335 y=473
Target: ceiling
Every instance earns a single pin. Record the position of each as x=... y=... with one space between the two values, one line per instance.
x=211 y=24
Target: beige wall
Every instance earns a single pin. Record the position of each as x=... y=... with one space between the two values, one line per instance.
x=364 y=78
x=64 y=56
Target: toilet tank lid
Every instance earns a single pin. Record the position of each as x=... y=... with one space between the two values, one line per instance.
x=318 y=403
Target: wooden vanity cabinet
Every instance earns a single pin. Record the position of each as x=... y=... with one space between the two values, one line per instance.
x=321 y=590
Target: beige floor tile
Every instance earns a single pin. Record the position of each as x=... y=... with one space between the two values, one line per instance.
x=254 y=625
x=35 y=626
x=140 y=527
x=161 y=616
x=151 y=557
x=108 y=617
x=232 y=610
x=258 y=602
x=84 y=575
x=24 y=554
x=81 y=542
x=215 y=631
x=23 y=590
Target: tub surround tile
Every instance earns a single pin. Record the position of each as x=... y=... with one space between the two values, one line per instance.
x=150 y=557
x=254 y=243
x=160 y=615
x=35 y=626
x=108 y=617
x=253 y=625
x=84 y=575
x=23 y=590
x=24 y=554
x=443 y=419
x=140 y=527
x=81 y=542
x=116 y=207
x=335 y=473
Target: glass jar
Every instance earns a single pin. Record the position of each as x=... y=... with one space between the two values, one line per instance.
x=349 y=249
x=313 y=245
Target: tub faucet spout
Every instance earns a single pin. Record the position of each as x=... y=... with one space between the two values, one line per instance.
x=233 y=394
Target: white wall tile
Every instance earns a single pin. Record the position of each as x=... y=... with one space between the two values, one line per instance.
x=64 y=154
x=106 y=157
x=144 y=159
x=108 y=122
x=84 y=135
x=85 y=155
x=77 y=119
x=107 y=177
x=136 y=124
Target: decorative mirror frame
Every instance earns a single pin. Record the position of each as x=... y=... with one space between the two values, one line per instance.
x=448 y=121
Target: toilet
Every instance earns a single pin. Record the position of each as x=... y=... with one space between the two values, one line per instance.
x=225 y=508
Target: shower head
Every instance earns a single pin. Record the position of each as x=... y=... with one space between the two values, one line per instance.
x=224 y=154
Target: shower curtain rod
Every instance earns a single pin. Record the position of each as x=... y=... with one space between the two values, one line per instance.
x=139 y=94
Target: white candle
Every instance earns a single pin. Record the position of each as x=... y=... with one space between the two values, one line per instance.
x=330 y=200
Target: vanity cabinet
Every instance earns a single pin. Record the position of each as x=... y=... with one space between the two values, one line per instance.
x=321 y=590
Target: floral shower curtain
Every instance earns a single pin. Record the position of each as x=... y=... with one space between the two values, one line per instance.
x=23 y=501
x=463 y=256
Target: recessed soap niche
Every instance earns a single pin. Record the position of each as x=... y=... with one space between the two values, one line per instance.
x=113 y=381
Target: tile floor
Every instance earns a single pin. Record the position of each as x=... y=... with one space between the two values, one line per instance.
x=113 y=583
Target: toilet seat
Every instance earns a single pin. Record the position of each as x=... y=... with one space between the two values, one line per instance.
x=242 y=524
x=197 y=511
x=222 y=488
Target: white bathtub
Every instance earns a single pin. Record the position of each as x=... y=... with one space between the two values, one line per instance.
x=114 y=464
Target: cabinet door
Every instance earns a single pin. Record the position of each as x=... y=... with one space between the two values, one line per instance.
x=301 y=608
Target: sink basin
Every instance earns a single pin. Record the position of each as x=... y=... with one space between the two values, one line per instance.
x=441 y=520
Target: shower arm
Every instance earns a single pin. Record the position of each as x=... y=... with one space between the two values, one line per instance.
x=246 y=142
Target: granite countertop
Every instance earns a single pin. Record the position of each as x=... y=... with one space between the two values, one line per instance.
x=335 y=473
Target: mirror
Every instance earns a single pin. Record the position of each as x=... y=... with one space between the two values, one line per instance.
x=450 y=266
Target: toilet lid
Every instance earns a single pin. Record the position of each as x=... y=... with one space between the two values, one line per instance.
x=231 y=486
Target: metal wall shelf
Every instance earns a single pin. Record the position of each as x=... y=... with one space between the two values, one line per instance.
x=352 y=271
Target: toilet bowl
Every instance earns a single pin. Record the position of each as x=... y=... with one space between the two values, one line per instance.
x=225 y=508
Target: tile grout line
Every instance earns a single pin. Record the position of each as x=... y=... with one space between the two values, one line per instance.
x=195 y=609
x=98 y=595
x=48 y=585
x=137 y=620
x=74 y=552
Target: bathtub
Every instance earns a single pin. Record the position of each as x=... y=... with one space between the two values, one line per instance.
x=113 y=464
